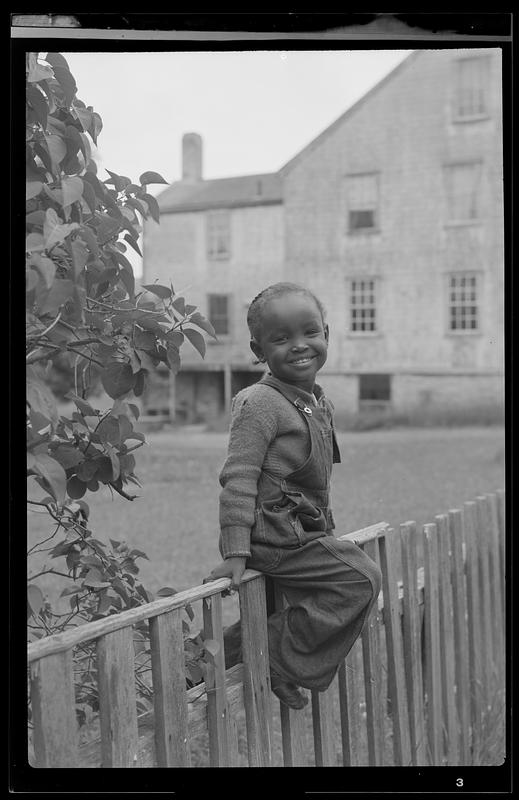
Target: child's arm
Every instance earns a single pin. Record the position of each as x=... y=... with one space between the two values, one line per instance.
x=233 y=568
x=254 y=426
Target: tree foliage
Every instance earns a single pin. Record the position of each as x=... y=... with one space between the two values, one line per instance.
x=82 y=307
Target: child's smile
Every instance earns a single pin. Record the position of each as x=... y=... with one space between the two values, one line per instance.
x=294 y=339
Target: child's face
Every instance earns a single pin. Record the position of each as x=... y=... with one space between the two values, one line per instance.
x=294 y=339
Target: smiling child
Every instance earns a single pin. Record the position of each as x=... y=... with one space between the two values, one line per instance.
x=275 y=513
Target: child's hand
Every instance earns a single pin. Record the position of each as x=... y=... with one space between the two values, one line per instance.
x=233 y=568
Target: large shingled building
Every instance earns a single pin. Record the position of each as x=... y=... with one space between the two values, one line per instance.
x=393 y=216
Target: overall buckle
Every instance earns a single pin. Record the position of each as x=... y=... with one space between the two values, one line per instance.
x=302 y=406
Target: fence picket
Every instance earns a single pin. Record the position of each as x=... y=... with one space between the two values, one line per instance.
x=432 y=645
x=474 y=622
x=484 y=575
x=256 y=675
x=292 y=721
x=461 y=641
x=169 y=690
x=54 y=711
x=496 y=590
x=217 y=712
x=395 y=659
x=500 y=495
x=447 y=642
x=117 y=701
x=412 y=642
x=349 y=709
x=322 y=716
x=371 y=651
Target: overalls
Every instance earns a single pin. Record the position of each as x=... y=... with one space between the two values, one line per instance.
x=330 y=585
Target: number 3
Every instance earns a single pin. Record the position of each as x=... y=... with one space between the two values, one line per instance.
x=459 y=782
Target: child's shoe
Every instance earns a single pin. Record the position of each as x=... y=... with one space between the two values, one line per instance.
x=287 y=692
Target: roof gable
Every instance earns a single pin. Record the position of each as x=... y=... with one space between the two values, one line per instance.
x=348 y=113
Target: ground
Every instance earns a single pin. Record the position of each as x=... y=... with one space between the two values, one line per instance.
x=387 y=475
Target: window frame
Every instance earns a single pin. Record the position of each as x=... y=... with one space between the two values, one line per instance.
x=350 y=209
x=451 y=220
x=380 y=404
x=477 y=303
x=457 y=116
x=213 y=231
x=219 y=295
x=374 y=305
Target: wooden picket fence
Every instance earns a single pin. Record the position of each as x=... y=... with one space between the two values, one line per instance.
x=417 y=688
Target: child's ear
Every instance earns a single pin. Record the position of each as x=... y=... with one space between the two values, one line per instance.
x=326 y=332
x=256 y=349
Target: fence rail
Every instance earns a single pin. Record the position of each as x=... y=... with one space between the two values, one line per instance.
x=417 y=688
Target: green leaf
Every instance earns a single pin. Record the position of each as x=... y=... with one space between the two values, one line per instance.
x=38 y=72
x=53 y=474
x=175 y=337
x=89 y=196
x=72 y=189
x=138 y=554
x=67 y=455
x=120 y=182
x=40 y=398
x=34 y=243
x=67 y=82
x=117 y=379
x=38 y=103
x=45 y=266
x=94 y=580
x=164 y=292
x=109 y=430
x=57 y=149
x=151 y=177
x=60 y=293
x=85 y=232
x=87 y=469
x=203 y=323
x=31 y=279
x=180 y=305
x=196 y=339
x=32 y=189
x=70 y=590
x=133 y=243
x=153 y=206
x=35 y=599
x=54 y=231
x=56 y=60
x=85 y=408
x=139 y=383
x=166 y=591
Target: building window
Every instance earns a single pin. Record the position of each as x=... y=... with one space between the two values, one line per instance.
x=374 y=391
x=363 y=202
x=362 y=305
x=463 y=302
x=219 y=313
x=471 y=87
x=462 y=183
x=218 y=235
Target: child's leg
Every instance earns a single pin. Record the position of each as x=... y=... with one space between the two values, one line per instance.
x=330 y=586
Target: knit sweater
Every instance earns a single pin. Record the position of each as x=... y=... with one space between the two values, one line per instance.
x=267 y=432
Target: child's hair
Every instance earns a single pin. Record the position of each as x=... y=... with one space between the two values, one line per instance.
x=256 y=307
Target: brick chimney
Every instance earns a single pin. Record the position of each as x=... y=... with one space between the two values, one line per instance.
x=191 y=157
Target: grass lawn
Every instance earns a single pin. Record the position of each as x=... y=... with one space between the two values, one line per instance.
x=385 y=475
x=390 y=475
